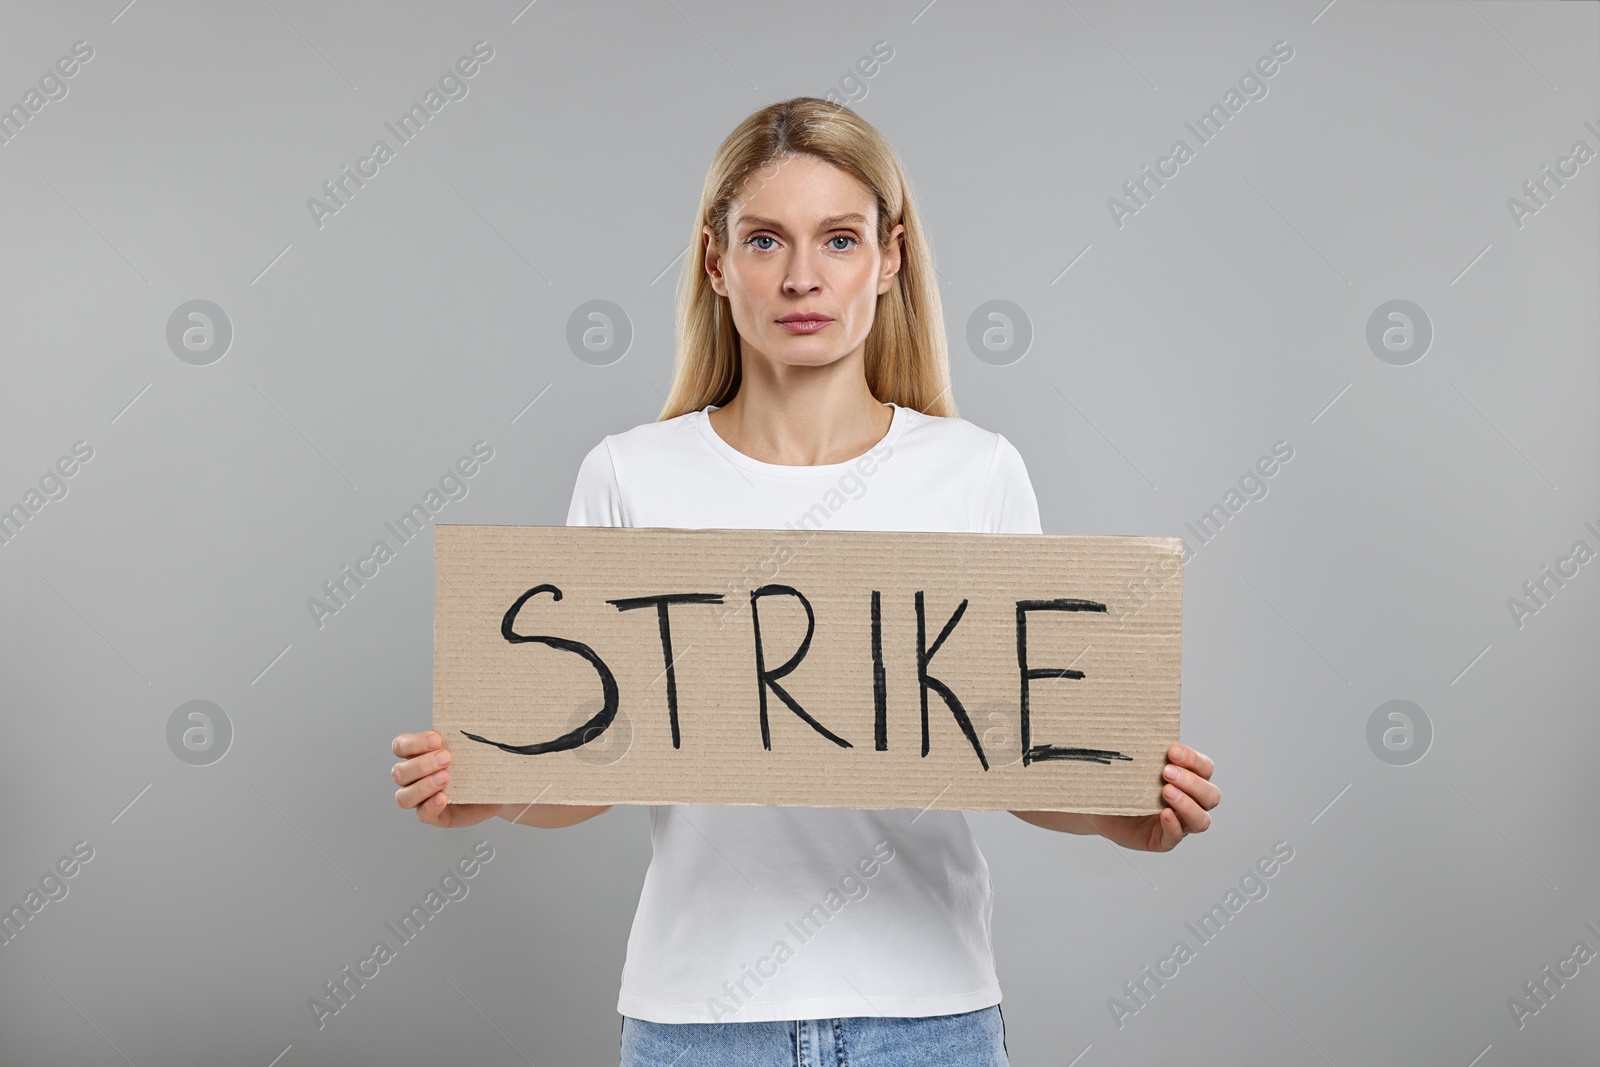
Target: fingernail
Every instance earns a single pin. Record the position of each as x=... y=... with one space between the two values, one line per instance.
x=443 y=757
x=1171 y=772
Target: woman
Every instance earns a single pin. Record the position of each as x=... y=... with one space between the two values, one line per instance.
x=810 y=339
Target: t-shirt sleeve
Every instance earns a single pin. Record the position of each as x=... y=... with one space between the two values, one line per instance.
x=596 y=497
x=1009 y=503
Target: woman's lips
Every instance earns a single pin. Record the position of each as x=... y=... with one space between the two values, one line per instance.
x=805 y=325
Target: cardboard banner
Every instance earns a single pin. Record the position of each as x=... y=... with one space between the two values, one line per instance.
x=829 y=668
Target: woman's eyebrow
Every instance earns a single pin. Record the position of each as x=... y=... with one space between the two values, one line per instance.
x=826 y=224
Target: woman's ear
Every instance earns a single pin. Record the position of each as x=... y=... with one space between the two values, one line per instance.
x=712 y=260
x=891 y=258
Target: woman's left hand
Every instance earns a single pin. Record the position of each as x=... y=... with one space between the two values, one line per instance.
x=1189 y=796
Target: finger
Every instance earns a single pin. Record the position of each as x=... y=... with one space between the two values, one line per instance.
x=415 y=744
x=435 y=811
x=1194 y=819
x=408 y=771
x=1204 y=793
x=412 y=795
x=1171 y=830
x=1198 y=762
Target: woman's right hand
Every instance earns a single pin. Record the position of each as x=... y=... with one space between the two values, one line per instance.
x=421 y=776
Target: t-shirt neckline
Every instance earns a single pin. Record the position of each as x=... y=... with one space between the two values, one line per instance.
x=702 y=422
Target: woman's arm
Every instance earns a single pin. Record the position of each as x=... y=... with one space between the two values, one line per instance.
x=1065 y=821
x=1188 y=797
x=550 y=816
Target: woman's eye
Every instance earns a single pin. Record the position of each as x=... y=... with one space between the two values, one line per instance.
x=753 y=238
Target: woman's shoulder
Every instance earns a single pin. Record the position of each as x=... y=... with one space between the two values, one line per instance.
x=650 y=436
x=641 y=455
x=971 y=454
x=951 y=432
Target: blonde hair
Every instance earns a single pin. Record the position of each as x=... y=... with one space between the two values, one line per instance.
x=905 y=355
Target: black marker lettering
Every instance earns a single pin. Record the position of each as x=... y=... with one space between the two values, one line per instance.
x=1039 y=753
x=880 y=696
x=926 y=680
x=766 y=678
x=661 y=602
x=608 y=683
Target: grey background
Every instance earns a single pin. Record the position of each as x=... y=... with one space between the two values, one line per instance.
x=367 y=355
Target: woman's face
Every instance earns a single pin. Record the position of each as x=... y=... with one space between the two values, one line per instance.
x=801 y=240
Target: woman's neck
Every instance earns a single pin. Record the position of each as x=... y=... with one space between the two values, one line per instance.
x=802 y=427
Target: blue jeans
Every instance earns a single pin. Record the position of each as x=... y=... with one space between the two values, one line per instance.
x=969 y=1039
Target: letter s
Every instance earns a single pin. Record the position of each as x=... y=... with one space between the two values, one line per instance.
x=1285 y=53
x=1283 y=850
x=83 y=50
x=583 y=733
x=83 y=450
x=883 y=50
x=483 y=50
x=485 y=452
x=877 y=850
x=484 y=851
x=84 y=851
x=1283 y=450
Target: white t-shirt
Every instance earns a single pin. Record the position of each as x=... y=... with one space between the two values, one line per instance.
x=758 y=913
